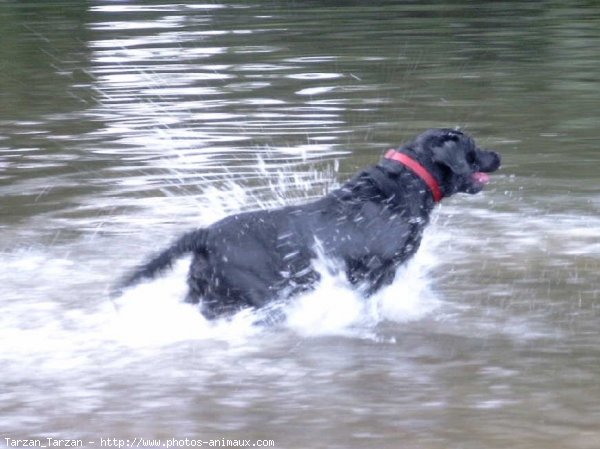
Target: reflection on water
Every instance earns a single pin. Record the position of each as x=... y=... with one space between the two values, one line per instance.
x=123 y=124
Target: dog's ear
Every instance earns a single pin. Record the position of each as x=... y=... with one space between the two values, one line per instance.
x=448 y=151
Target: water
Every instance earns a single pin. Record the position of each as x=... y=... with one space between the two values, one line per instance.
x=123 y=124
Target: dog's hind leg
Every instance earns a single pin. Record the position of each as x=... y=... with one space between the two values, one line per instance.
x=197 y=279
x=214 y=305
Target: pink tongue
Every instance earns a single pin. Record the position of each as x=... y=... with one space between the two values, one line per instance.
x=481 y=177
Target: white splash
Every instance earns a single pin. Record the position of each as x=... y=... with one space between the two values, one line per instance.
x=336 y=308
x=153 y=313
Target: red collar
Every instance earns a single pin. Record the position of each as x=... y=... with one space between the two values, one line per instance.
x=419 y=170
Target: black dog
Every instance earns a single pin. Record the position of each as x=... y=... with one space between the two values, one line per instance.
x=372 y=224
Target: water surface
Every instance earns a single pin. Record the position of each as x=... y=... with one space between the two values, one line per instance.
x=123 y=124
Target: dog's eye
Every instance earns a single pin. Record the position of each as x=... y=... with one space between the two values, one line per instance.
x=454 y=136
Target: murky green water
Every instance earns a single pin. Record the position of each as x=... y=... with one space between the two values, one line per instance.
x=125 y=123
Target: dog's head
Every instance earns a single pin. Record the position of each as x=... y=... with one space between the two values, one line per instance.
x=455 y=160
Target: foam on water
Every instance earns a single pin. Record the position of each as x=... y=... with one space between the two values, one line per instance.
x=49 y=316
x=51 y=320
x=153 y=313
x=337 y=308
x=57 y=316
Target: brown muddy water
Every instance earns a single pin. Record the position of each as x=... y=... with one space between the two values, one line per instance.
x=124 y=123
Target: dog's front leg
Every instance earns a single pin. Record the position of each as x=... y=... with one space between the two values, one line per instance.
x=370 y=274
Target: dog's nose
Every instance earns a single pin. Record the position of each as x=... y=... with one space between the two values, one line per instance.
x=491 y=161
x=497 y=160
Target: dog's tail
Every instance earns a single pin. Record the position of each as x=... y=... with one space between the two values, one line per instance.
x=193 y=241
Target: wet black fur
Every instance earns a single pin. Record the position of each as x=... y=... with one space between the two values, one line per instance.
x=372 y=224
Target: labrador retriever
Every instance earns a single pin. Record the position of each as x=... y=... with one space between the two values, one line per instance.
x=372 y=224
